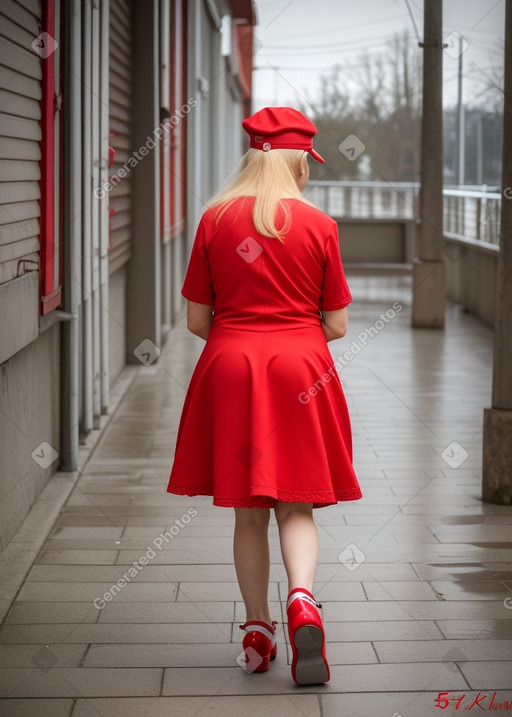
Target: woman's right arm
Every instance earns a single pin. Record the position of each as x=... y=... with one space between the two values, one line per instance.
x=335 y=323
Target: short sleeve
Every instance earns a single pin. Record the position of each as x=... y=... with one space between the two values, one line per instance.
x=198 y=284
x=335 y=292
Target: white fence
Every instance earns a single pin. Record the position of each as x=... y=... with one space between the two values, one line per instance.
x=472 y=213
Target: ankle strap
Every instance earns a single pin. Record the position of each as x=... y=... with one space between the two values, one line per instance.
x=302 y=596
x=259 y=626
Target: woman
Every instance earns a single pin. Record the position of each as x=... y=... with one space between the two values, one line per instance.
x=265 y=424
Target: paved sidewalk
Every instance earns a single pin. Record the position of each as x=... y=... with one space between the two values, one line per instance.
x=415 y=579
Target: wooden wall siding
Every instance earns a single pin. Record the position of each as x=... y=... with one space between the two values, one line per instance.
x=20 y=134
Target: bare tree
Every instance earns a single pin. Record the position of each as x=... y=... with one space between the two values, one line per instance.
x=377 y=98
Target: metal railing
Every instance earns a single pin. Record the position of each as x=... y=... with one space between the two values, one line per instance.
x=471 y=213
x=364 y=200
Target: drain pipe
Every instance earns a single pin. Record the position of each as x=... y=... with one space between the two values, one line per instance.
x=104 y=223
x=86 y=379
x=72 y=213
x=95 y=214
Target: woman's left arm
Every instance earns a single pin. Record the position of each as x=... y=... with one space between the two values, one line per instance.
x=199 y=319
x=335 y=323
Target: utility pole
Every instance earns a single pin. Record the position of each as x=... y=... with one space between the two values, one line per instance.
x=497 y=441
x=479 y=150
x=461 y=118
x=428 y=270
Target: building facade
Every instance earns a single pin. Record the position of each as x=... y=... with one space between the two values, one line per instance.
x=118 y=119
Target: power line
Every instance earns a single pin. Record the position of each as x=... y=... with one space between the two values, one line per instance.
x=368 y=42
x=301 y=69
x=371 y=49
x=493 y=49
x=412 y=20
x=344 y=27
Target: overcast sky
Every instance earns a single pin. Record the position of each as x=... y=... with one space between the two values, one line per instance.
x=304 y=38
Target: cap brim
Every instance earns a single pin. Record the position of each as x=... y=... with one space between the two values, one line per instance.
x=316 y=156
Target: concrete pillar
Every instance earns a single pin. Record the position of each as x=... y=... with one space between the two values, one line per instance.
x=428 y=271
x=143 y=294
x=497 y=439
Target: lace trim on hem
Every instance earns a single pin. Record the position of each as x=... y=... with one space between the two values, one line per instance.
x=319 y=499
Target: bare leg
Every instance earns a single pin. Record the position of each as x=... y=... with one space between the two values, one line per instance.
x=299 y=543
x=252 y=560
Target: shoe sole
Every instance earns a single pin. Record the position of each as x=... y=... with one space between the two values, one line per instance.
x=311 y=668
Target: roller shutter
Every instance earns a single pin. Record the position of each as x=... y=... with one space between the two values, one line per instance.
x=121 y=107
x=20 y=135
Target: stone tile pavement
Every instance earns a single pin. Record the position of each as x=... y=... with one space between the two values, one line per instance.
x=415 y=579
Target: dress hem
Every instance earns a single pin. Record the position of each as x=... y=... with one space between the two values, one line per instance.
x=319 y=499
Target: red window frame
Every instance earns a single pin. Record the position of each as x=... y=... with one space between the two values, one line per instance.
x=51 y=186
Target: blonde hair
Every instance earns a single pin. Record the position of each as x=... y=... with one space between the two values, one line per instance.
x=269 y=177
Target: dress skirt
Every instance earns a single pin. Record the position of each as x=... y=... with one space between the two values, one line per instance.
x=265 y=420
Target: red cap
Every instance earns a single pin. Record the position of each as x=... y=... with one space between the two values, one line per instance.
x=281 y=128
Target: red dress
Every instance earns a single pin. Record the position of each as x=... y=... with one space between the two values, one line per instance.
x=265 y=417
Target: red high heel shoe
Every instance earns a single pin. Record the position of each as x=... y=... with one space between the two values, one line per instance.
x=307 y=638
x=259 y=645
